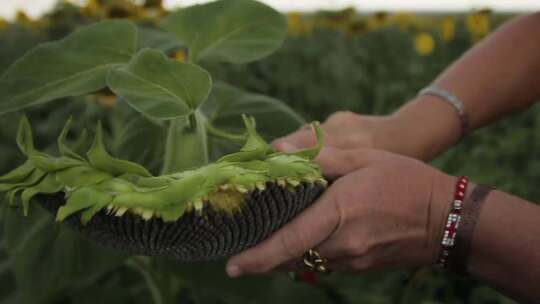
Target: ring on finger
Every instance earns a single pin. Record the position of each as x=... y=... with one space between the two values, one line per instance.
x=313 y=261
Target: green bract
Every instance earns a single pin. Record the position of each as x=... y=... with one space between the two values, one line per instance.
x=102 y=181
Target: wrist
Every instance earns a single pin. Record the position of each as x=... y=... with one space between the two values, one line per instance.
x=423 y=128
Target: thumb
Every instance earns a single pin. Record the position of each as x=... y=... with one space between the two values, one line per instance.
x=300 y=139
x=306 y=231
x=337 y=162
x=286 y=147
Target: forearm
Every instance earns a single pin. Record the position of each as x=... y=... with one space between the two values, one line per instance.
x=497 y=77
x=506 y=246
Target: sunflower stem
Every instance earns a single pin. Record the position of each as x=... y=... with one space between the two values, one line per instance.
x=142 y=266
x=186 y=146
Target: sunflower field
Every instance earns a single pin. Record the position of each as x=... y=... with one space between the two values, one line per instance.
x=331 y=61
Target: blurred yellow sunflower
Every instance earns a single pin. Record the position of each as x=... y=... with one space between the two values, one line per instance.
x=181 y=55
x=154 y=4
x=377 y=20
x=448 y=29
x=123 y=9
x=479 y=24
x=22 y=17
x=424 y=43
x=295 y=22
x=107 y=100
x=404 y=20
x=299 y=24
x=3 y=23
x=92 y=8
x=357 y=27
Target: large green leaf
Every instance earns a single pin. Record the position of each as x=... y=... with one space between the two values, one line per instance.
x=137 y=138
x=160 y=87
x=226 y=105
x=236 y=31
x=157 y=39
x=121 y=286
x=50 y=260
x=73 y=66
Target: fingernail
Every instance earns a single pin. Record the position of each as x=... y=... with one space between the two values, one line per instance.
x=234 y=271
x=287 y=147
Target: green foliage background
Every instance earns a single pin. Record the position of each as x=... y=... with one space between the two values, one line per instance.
x=332 y=61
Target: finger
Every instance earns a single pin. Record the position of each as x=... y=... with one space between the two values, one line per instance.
x=300 y=139
x=292 y=265
x=290 y=242
x=336 y=162
x=340 y=246
x=343 y=265
x=357 y=264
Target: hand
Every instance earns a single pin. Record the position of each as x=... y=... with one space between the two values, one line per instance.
x=422 y=129
x=388 y=212
x=344 y=130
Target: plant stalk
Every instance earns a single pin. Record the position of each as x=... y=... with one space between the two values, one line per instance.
x=142 y=266
x=186 y=146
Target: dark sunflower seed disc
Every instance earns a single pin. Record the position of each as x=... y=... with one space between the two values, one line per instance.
x=197 y=235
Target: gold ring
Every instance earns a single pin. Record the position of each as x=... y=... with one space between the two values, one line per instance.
x=313 y=261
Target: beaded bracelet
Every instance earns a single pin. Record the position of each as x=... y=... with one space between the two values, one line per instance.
x=453 y=100
x=452 y=223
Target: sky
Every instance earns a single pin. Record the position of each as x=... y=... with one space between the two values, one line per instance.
x=34 y=8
